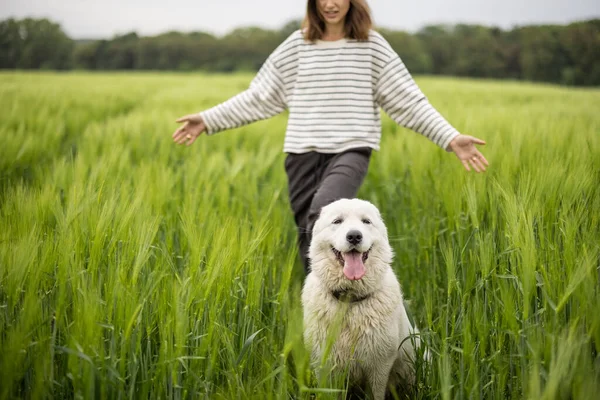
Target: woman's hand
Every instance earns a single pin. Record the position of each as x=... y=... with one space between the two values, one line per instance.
x=192 y=128
x=464 y=148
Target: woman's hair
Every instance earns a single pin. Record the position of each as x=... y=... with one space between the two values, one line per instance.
x=358 y=21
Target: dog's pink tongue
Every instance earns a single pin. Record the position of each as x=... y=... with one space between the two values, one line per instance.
x=354 y=268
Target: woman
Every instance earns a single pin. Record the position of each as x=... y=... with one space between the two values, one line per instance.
x=333 y=75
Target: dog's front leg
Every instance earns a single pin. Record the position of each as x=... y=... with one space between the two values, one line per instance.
x=378 y=379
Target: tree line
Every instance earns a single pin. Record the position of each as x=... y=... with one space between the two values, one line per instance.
x=564 y=54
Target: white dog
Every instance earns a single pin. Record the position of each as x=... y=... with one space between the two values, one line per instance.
x=351 y=274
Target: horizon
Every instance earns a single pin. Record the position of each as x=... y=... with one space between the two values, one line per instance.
x=87 y=20
x=283 y=24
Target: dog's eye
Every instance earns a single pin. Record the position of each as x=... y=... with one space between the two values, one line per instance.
x=366 y=221
x=337 y=221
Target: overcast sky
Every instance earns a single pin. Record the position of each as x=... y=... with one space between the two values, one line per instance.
x=106 y=18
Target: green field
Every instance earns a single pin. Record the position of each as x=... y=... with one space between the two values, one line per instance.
x=134 y=268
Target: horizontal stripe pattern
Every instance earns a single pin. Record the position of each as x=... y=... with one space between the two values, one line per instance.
x=333 y=91
x=399 y=96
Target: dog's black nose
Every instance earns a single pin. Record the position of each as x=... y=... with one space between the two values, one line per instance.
x=354 y=237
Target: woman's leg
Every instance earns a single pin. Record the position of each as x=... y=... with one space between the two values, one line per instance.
x=341 y=179
x=304 y=173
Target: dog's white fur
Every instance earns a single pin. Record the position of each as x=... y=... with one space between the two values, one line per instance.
x=374 y=342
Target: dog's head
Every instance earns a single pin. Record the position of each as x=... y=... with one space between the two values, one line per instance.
x=350 y=244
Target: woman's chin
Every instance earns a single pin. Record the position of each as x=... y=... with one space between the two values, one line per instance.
x=333 y=21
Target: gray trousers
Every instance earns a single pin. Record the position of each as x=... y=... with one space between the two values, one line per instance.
x=317 y=179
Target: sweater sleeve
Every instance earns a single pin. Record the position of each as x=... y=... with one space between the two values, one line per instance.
x=400 y=97
x=264 y=98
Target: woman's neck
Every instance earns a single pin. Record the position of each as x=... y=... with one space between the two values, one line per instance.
x=334 y=32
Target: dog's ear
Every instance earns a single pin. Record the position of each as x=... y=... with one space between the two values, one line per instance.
x=318 y=217
x=311 y=227
x=377 y=212
x=319 y=214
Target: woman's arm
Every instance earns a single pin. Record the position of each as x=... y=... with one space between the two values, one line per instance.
x=264 y=98
x=400 y=97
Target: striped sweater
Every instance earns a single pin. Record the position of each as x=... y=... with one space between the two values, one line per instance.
x=333 y=91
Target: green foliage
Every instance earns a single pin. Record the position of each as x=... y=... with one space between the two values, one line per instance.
x=411 y=50
x=134 y=268
x=438 y=42
x=581 y=42
x=542 y=56
x=34 y=44
x=560 y=54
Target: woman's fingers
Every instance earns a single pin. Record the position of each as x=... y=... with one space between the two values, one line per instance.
x=193 y=118
x=466 y=165
x=190 y=139
x=473 y=162
x=480 y=164
x=190 y=130
x=185 y=118
x=470 y=156
x=477 y=141
x=179 y=139
x=186 y=135
x=180 y=134
x=483 y=159
x=183 y=135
